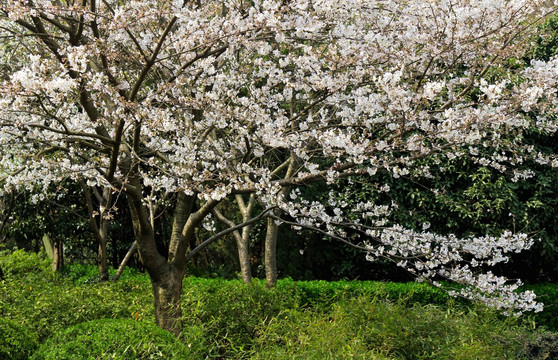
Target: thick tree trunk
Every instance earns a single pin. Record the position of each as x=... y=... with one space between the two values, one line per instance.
x=270 y=256
x=166 y=273
x=166 y=293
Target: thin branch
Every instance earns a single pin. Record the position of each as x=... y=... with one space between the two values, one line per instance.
x=318 y=230
x=219 y=235
x=151 y=61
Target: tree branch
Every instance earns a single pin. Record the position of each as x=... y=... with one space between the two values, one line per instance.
x=219 y=235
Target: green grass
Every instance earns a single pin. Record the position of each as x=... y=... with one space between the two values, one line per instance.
x=230 y=320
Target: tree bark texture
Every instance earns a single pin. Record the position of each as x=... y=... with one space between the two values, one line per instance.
x=270 y=256
x=99 y=221
x=243 y=246
x=47 y=242
x=166 y=293
x=242 y=237
x=103 y=262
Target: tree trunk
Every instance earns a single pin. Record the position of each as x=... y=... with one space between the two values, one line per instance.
x=243 y=246
x=47 y=242
x=270 y=247
x=58 y=259
x=125 y=261
x=270 y=256
x=166 y=293
x=99 y=221
x=166 y=273
x=103 y=262
x=102 y=256
x=6 y=211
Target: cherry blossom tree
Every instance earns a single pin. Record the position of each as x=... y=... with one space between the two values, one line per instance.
x=206 y=100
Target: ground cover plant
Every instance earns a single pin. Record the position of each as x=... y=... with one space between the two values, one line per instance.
x=16 y=343
x=226 y=319
x=117 y=339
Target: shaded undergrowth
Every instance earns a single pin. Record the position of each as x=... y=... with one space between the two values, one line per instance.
x=230 y=320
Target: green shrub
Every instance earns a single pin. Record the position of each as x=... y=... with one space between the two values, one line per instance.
x=375 y=329
x=21 y=264
x=46 y=307
x=231 y=313
x=81 y=273
x=16 y=343
x=115 y=339
x=325 y=293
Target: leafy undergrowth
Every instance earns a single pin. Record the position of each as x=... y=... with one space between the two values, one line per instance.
x=117 y=339
x=230 y=320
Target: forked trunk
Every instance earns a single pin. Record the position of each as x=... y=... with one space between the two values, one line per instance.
x=166 y=272
x=99 y=221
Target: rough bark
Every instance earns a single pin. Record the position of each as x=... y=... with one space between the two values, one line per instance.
x=102 y=258
x=5 y=211
x=242 y=237
x=166 y=273
x=47 y=242
x=166 y=293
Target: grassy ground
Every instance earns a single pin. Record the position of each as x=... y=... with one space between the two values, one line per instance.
x=70 y=316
